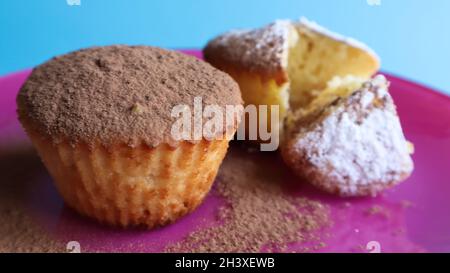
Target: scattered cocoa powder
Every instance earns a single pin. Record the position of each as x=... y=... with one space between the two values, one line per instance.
x=18 y=232
x=377 y=210
x=258 y=215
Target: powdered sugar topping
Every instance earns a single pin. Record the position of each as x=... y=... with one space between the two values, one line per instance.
x=359 y=145
x=313 y=26
x=265 y=50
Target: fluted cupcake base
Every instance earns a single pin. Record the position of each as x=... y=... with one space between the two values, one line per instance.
x=132 y=186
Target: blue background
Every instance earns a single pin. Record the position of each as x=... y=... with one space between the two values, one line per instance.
x=411 y=36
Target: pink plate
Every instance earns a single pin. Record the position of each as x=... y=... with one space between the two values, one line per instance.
x=415 y=214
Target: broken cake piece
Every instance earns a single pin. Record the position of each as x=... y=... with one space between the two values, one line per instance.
x=287 y=63
x=349 y=141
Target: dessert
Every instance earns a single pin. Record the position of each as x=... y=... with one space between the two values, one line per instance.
x=338 y=127
x=349 y=141
x=100 y=119
x=287 y=63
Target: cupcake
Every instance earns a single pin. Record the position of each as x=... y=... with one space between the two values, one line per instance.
x=102 y=122
x=349 y=141
x=338 y=127
x=287 y=63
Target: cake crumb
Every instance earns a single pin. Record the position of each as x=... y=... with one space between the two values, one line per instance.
x=377 y=210
x=137 y=108
x=406 y=204
x=346 y=204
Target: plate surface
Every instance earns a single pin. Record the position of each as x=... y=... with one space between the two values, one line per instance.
x=416 y=215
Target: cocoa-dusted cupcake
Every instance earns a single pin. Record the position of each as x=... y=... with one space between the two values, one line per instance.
x=101 y=119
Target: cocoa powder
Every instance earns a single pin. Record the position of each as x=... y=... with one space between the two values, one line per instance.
x=18 y=231
x=119 y=94
x=258 y=215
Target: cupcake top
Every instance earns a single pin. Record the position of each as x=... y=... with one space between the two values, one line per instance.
x=119 y=94
x=265 y=50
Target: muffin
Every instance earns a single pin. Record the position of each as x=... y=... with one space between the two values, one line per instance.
x=349 y=141
x=287 y=63
x=102 y=121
